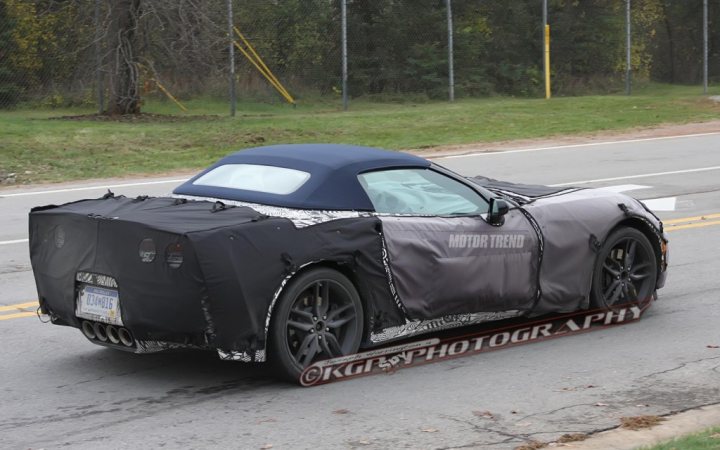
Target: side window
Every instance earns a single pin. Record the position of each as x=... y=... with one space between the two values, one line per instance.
x=421 y=192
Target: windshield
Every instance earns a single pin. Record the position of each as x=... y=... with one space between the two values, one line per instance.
x=420 y=191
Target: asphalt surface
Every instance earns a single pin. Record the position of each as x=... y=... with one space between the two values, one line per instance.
x=58 y=390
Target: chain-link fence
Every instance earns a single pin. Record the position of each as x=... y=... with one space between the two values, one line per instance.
x=105 y=53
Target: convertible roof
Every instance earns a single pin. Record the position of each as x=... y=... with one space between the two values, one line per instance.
x=333 y=183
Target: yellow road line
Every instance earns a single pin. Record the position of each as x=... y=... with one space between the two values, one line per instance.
x=19 y=306
x=692 y=225
x=691 y=219
x=17 y=315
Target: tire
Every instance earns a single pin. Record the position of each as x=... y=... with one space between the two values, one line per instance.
x=625 y=271
x=302 y=332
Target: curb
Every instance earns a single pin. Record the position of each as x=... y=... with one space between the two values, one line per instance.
x=687 y=422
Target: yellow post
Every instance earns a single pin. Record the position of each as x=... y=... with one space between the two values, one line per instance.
x=169 y=95
x=264 y=66
x=274 y=84
x=547 y=61
x=260 y=65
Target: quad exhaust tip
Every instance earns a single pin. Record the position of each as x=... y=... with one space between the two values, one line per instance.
x=88 y=330
x=100 y=332
x=125 y=337
x=96 y=331
x=112 y=334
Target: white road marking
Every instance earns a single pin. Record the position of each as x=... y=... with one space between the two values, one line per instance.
x=655 y=204
x=16 y=241
x=661 y=204
x=90 y=188
x=588 y=144
x=644 y=175
x=624 y=187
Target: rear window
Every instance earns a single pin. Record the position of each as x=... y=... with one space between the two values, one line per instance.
x=253 y=177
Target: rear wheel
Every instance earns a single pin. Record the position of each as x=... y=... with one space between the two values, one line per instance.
x=319 y=316
x=625 y=271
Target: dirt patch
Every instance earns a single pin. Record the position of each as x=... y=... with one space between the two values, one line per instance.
x=640 y=422
x=628 y=423
x=7 y=177
x=532 y=445
x=564 y=439
x=138 y=118
x=575 y=437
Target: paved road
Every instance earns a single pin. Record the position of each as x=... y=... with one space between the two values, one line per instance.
x=58 y=390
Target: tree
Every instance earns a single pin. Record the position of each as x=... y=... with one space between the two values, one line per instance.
x=9 y=89
x=588 y=50
x=678 y=48
x=124 y=54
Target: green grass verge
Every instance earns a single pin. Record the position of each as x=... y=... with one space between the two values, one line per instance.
x=60 y=150
x=707 y=440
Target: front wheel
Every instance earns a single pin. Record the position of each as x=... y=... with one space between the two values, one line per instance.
x=319 y=316
x=625 y=271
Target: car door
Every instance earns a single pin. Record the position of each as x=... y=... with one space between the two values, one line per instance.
x=445 y=258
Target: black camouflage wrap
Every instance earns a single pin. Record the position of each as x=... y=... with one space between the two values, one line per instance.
x=574 y=226
x=234 y=260
x=452 y=265
x=415 y=274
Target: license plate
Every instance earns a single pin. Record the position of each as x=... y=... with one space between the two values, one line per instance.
x=99 y=304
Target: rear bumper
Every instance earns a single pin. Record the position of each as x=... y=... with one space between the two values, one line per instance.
x=151 y=322
x=122 y=338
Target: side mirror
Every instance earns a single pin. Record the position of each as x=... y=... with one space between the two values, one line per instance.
x=497 y=210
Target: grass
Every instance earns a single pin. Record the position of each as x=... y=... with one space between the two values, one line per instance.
x=42 y=150
x=706 y=440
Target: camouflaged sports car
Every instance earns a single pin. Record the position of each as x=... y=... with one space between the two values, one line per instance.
x=296 y=253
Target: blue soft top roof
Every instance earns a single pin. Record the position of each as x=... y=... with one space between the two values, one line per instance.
x=333 y=183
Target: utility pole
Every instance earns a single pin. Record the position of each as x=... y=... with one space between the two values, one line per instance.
x=98 y=61
x=546 y=49
x=628 y=44
x=233 y=99
x=705 y=47
x=343 y=32
x=451 y=63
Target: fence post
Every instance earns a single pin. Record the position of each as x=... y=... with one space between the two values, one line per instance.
x=705 y=47
x=451 y=50
x=546 y=49
x=98 y=61
x=628 y=45
x=231 y=47
x=343 y=32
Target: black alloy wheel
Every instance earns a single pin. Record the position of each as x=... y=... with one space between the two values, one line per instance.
x=319 y=316
x=625 y=271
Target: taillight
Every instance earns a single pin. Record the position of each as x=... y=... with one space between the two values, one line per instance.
x=174 y=255
x=147 y=250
